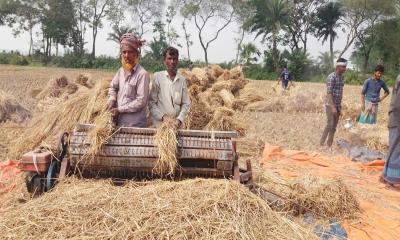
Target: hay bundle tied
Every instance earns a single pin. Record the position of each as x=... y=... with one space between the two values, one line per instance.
x=154 y=210
x=167 y=145
x=10 y=109
x=57 y=87
x=223 y=120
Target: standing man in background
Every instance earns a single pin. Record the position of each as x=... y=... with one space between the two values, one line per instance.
x=129 y=89
x=333 y=104
x=285 y=77
x=391 y=172
x=169 y=96
x=370 y=96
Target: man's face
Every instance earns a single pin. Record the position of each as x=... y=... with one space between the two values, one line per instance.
x=378 y=75
x=130 y=55
x=341 y=69
x=171 y=62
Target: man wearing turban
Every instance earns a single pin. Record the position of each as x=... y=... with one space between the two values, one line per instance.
x=129 y=89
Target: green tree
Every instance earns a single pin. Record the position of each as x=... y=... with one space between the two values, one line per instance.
x=325 y=61
x=326 y=23
x=248 y=53
x=270 y=18
x=159 y=42
x=145 y=13
x=98 y=10
x=187 y=38
x=301 y=17
x=81 y=20
x=117 y=33
x=218 y=14
x=8 y=9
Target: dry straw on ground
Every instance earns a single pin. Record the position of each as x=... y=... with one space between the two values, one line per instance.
x=167 y=145
x=191 y=209
x=323 y=198
x=11 y=110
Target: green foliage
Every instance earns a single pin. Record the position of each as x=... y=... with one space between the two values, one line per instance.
x=298 y=63
x=258 y=72
x=14 y=58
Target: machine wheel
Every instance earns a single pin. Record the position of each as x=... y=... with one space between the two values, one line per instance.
x=34 y=183
x=52 y=174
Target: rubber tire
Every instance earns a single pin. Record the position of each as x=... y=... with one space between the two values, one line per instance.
x=52 y=174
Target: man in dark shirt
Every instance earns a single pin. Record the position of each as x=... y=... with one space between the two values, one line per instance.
x=285 y=77
x=333 y=104
x=370 y=96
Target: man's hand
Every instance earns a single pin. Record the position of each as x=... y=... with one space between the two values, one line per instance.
x=111 y=105
x=114 y=111
x=178 y=123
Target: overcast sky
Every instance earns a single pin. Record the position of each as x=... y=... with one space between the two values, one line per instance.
x=223 y=49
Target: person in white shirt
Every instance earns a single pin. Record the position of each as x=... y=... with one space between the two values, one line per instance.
x=169 y=94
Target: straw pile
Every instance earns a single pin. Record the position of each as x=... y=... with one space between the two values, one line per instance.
x=61 y=87
x=86 y=106
x=191 y=209
x=11 y=110
x=323 y=198
x=167 y=146
x=216 y=94
x=289 y=101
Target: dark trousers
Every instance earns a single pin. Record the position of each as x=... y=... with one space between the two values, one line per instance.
x=330 y=129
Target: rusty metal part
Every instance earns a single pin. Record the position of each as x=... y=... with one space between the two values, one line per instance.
x=131 y=153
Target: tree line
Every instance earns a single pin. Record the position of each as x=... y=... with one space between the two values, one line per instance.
x=284 y=28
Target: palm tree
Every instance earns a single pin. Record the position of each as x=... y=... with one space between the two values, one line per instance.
x=270 y=17
x=247 y=53
x=117 y=33
x=325 y=61
x=326 y=22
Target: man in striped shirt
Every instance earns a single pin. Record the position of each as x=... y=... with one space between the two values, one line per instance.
x=333 y=104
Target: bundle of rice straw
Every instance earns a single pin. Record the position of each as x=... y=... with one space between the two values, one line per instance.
x=223 y=120
x=216 y=70
x=83 y=80
x=45 y=128
x=324 y=198
x=227 y=97
x=57 y=87
x=191 y=209
x=167 y=146
x=10 y=109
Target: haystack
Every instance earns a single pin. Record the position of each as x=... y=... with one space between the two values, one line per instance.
x=191 y=209
x=326 y=199
x=11 y=110
x=45 y=128
x=167 y=146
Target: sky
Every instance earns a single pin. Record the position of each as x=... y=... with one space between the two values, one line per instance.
x=222 y=50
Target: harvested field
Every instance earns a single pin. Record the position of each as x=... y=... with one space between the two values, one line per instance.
x=221 y=100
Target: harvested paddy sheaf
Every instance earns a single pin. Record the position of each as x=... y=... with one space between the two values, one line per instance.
x=324 y=198
x=167 y=146
x=11 y=110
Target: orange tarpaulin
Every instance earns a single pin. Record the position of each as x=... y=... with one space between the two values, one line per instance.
x=380 y=216
x=8 y=172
